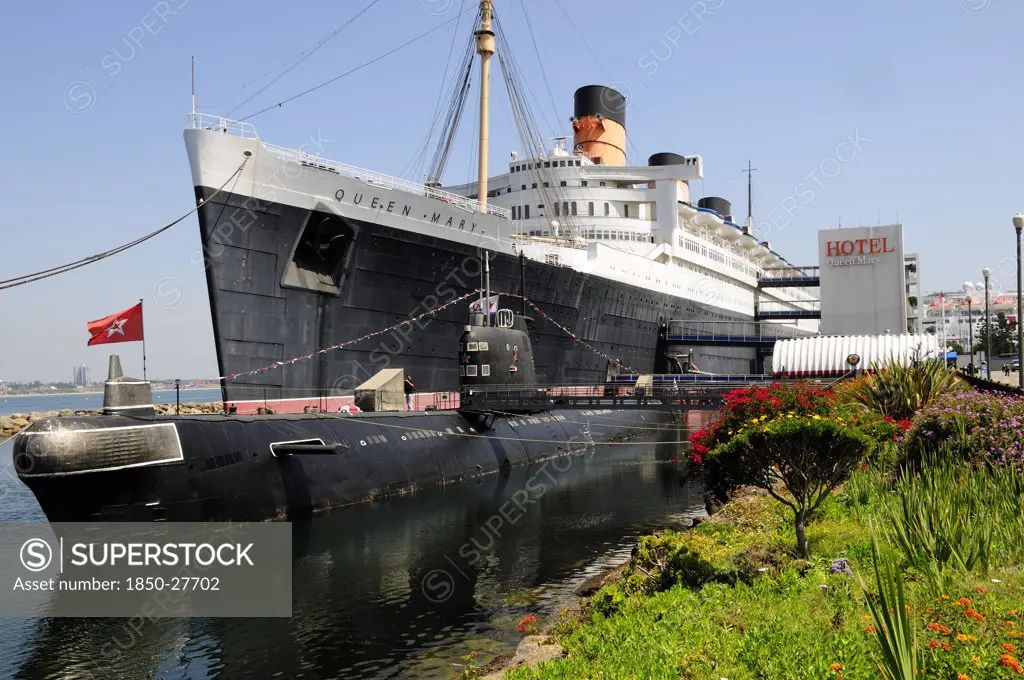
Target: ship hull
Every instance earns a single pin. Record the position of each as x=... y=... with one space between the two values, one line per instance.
x=219 y=468
x=263 y=313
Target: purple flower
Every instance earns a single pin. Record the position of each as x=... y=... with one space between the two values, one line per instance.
x=840 y=566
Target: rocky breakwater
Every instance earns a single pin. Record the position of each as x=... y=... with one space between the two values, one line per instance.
x=15 y=423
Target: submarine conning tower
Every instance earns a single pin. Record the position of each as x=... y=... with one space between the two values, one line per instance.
x=496 y=355
x=123 y=395
x=599 y=124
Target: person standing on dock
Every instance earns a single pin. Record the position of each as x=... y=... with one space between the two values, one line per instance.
x=410 y=389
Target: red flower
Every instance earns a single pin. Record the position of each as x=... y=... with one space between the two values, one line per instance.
x=890 y=419
x=696 y=458
x=524 y=623
x=675 y=460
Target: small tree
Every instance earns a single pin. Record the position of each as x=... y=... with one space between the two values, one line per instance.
x=741 y=407
x=808 y=456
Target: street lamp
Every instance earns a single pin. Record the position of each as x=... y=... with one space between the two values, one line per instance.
x=1018 y=224
x=970 y=335
x=986 y=272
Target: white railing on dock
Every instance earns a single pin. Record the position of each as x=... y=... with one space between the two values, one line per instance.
x=204 y=121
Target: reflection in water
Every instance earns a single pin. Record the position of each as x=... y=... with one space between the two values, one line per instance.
x=401 y=588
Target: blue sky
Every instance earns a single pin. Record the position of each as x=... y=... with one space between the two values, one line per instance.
x=96 y=97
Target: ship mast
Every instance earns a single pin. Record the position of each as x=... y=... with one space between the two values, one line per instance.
x=750 y=196
x=485 y=48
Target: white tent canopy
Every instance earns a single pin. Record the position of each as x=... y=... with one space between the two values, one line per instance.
x=832 y=354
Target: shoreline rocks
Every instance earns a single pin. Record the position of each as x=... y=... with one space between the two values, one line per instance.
x=11 y=425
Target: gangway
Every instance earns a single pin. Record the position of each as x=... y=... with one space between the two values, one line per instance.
x=731 y=333
x=789 y=277
x=796 y=309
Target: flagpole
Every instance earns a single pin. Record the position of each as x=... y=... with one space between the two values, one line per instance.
x=143 y=324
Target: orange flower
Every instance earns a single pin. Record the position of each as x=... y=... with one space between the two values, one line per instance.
x=961 y=637
x=837 y=666
x=1008 y=647
x=962 y=676
x=1010 y=662
x=939 y=627
x=932 y=644
x=979 y=589
x=974 y=615
x=965 y=600
x=976 y=660
x=945 y=646
x=871 y=629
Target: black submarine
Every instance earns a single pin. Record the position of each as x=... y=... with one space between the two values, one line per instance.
x=130 y=464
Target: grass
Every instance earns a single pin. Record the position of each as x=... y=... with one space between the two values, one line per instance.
x=758 y=612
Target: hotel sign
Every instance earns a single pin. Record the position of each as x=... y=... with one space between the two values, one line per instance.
x=862 y=281
x=840 y=253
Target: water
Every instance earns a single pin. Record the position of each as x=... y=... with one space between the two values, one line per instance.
x=390 y=590
x=92 y=400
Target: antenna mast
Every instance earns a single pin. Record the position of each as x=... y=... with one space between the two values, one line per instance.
x=750 y=195
x=485 y=48
x=193 y=86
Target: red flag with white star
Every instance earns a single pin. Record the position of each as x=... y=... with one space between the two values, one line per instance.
x=124 y=326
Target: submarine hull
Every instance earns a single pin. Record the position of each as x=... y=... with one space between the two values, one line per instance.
x=232 y=468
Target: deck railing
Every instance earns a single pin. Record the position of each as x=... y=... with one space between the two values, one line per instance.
x=203 y=121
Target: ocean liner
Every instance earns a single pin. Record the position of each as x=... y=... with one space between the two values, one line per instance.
x=302 y=252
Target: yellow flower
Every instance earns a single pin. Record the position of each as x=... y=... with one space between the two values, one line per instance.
x=837 y=666
x=961 y=637
x=816 y=417
x=975 y=660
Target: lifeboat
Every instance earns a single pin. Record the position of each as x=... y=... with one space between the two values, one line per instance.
x=749 y=243
x=709 y=218
x=730 y=231
x=686 y=211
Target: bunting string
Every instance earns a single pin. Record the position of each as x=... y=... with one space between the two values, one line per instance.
x=407 y=323
x=544 y=315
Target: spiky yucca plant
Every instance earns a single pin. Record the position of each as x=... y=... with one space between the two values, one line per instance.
x=898 y=390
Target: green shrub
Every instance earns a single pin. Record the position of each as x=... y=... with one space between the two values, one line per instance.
x=808 y=456
x=608 y=601
x=741 y=407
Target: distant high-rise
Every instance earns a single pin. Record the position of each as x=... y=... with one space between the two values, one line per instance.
x=81 y=376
